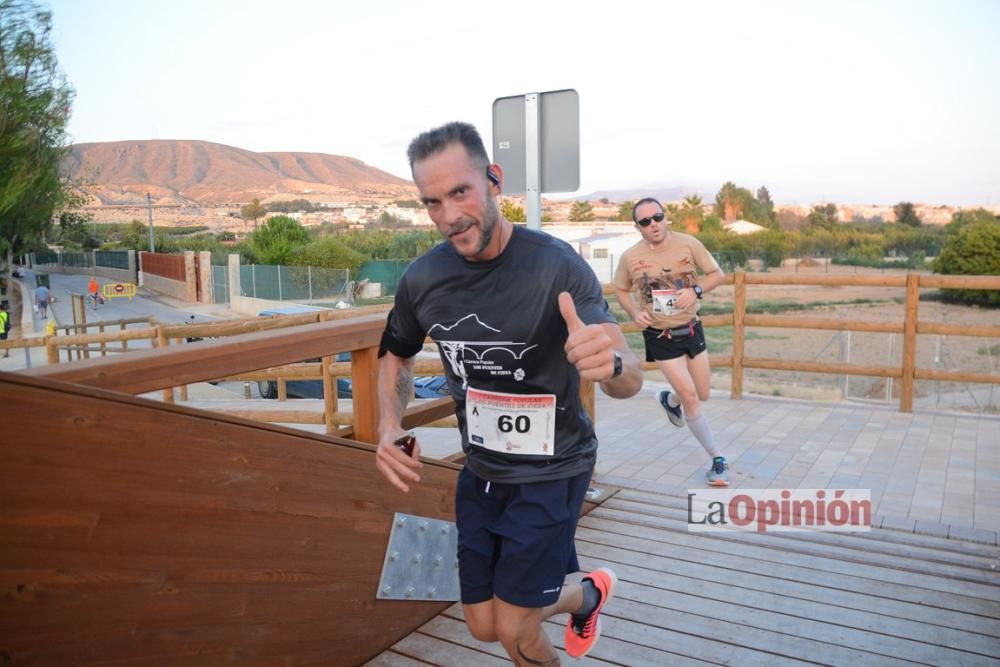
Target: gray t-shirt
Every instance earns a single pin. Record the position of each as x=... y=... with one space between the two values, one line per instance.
x=498 y=329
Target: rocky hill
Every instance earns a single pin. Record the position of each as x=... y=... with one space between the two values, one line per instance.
x=201 y=172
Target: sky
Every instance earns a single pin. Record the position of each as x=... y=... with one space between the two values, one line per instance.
x=866 y=102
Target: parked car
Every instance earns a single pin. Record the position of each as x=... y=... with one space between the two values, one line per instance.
x=434 y=386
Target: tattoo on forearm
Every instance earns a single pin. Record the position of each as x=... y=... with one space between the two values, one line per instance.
x=525 y=660
x=404 y=380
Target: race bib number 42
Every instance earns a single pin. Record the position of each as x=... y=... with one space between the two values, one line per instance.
x=665 y=300
x=511 y=423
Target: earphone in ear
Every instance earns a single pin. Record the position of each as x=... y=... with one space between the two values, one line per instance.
x=493 y=177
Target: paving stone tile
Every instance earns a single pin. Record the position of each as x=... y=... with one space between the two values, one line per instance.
x=973 y=534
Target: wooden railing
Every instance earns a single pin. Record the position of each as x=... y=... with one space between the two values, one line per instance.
x=271 y=343
x=910 y=328
x=274 y=349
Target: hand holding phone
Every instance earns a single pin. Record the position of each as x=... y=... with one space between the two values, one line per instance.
x=406 y=443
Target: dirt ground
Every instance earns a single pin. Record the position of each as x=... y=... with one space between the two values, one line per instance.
x=953 y=353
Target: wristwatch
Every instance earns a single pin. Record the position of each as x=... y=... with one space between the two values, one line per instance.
x=618 y=364
x=697 y=291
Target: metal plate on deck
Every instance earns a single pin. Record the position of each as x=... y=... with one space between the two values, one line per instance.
x=421 y=561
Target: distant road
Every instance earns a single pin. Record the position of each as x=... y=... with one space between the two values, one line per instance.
x=144 y=304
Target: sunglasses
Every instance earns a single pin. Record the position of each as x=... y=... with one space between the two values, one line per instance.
x=645 y=221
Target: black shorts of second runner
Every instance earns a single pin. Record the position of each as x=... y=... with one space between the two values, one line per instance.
x=515 y=541
x=661 y=348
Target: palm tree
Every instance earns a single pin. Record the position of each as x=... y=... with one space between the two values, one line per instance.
x=691 y=214
x=729 y=203
x=252 y=211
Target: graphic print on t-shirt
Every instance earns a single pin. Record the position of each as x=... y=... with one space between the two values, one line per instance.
x=469 y=348
x=666 y=282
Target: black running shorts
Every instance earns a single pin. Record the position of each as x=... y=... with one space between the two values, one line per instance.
x=661 y=347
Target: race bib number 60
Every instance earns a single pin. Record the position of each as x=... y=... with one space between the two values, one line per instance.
x=511 y=423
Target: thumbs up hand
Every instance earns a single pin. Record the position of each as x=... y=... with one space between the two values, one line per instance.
x=588 y=346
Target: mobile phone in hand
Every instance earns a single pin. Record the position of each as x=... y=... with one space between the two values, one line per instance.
x=406 y=443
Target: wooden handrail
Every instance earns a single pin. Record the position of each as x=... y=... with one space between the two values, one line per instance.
x=275 y=349
x=960 y=282
x=821 y=367
x=825 y=280
x=212 y=359
x=979 y=331
x=785 y=322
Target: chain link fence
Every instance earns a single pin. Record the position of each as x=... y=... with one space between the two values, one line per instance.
x=220 y=284
x=386 y=272
x=294 y=283
x=112 y=259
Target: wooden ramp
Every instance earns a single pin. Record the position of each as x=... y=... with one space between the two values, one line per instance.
x=134 y=532
x=878 y=598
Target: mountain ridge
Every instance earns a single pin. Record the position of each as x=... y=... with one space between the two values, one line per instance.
x=190 y=171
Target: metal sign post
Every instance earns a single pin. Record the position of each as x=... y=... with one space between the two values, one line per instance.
x=536 y=141
x=532 y=162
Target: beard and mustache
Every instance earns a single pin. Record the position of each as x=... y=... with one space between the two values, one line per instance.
x=488 y=226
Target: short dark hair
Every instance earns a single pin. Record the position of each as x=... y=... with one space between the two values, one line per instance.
x=434 y=141
x=646 y=200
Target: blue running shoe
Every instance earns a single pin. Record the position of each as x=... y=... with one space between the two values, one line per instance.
x=718 y=474
x=674 y=414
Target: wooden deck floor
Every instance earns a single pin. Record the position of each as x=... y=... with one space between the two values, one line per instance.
x=878 y=598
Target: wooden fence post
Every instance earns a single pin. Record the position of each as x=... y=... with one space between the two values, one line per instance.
x=739 y=311
x=163 y=341
x=52 y=350
x=909 y=342
x=329 y=394
x=364 y=389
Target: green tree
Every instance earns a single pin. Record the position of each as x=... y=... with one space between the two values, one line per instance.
x=252 y=211
x=906 y=214
x=691 y=214
x=822 y=216
x=582 y=211
x=36 y=101
x=387 y=220
x=136 y=237
x=764 y=197
x=733 y=248
x=408 y=245
x=973 y=250
x=773 y=249
x=733 y=202
x=711 y=223
x=869 y=252
x=276 y=241
x=374 y=244
x=290 y=206
x=965 y=218
x=729 y=202
x=512 y=211
x=74 y=231
x=625 y=211
x=329 y=252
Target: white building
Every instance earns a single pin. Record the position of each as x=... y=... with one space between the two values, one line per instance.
x=414 y=216
x=354 y=213
x=742 y=227
x=601 y=250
